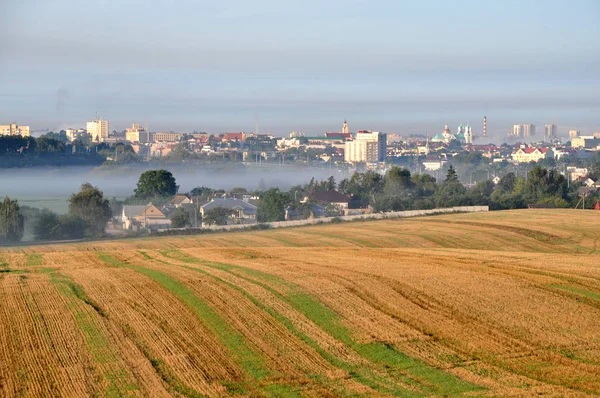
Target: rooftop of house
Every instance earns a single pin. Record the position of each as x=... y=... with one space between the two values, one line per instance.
x=329 y=197
x=230 y=203
x=132 y=210
x=177 y=199
x=148 y=210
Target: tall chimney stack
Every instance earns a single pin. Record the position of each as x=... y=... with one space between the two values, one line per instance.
x=484 y=126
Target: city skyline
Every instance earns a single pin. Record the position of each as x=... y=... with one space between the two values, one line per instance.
x=398 y=68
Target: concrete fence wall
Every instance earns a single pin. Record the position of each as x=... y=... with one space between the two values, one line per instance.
x=373 y=216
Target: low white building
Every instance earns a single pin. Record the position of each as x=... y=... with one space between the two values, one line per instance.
x=527 y=154
x=434 y=162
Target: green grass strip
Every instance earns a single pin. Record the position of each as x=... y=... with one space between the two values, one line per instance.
x=387 y=357
x=34 y=260
x=97 y=341
x=233 y=340
x=328 y=357
x=577 y=290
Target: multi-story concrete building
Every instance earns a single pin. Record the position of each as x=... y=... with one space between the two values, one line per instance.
x=368 y=147
x=585 y=142
x=14 y=129
x=550 y=132
x=137 y=134
x=523 y=130
x=573 y=133
x=528 y=130
x=517 y=130
x=98 y=130
x=166 y=137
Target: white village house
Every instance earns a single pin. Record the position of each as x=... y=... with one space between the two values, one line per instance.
x=141 y=217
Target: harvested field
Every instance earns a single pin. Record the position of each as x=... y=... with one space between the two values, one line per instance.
x=480 y=304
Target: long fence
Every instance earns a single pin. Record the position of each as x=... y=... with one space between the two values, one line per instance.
x=371 y=216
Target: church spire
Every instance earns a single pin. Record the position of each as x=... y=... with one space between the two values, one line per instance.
x=345 y=127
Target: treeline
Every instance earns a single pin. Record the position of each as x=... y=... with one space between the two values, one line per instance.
x=88 y=215
x=50 y=149
x=398 y=190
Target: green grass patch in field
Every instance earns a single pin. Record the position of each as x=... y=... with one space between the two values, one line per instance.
x=120 y=383
x=34 y=260
x=237 y=345
x=577 y=290
x=362 y=375
x=5 y=269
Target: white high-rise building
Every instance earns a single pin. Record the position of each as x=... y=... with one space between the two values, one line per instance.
x=368 y=147
x=523 y=130
x=517 y=130
x=528 y=130
x=550 y=132
x=98 y=130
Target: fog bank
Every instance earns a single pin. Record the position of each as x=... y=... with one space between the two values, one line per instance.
x=51 y=187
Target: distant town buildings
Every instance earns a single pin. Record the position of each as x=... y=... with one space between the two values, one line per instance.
x=14 y=129
x=98 y=130
x=73 y=134
x=523 y=130
x=550 y=132
x=528 y=130
x=367 y=147
x=585 y=142
x=167 y=137
x=445 y=136
x=137 y=134
x=573 y=133
x=465 y=134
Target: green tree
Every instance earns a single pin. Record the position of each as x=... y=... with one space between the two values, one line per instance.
x=180 y=218
x=451 y=175
x=46 y=225
x=71 y=227
x=546 y=186
x=272 y=206
x=90 y=205
x=424 y=189
x=11 y=221
x=202 y=191
x=480 y=194
x=451 y=192
x=331 y=185
x=397 y=190
x=217 y=216
x=156 y=183
x=44 y=144
x=50 y=226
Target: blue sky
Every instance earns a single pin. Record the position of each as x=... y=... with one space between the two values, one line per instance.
x=396 y=66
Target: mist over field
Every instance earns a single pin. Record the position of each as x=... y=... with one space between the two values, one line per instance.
x=51 y=187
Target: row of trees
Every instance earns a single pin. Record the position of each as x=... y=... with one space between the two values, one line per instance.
x=88 y=215
x=398 y=190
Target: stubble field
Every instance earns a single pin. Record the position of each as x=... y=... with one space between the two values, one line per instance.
x=485 y=304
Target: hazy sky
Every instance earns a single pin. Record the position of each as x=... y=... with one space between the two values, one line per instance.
x=394 y=66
